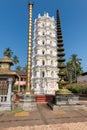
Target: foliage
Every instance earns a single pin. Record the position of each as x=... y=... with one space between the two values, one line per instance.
x=15 y=87
x=77 y=88
x=23 y=69
x=15 y=59
x=18 y=68
x=73 y=68
x=8 y=52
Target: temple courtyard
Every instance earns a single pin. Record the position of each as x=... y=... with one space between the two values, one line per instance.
x=45 y=119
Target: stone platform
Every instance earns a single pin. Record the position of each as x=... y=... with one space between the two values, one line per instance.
x=65 y=102
x=66 y=107
x=27 y=102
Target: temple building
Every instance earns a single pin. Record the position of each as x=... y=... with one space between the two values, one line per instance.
x=44 y=78
x=5 y=74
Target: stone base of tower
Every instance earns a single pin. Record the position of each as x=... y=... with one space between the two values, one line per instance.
x=27 y=102
x=64 y=102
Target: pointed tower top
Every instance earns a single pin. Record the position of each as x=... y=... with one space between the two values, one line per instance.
x=57 y=11
x=30 y=3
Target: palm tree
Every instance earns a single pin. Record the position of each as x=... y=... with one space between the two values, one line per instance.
x=74 y=66
x=24 y=69
x=69 y=72
x=15 y=59
x=8 y=52
x=18 y=68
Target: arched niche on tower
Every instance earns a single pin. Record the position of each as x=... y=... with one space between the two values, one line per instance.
x=43 y=74
x=52 y=73
x=43 y=52
x=43 y=42
x=52 y=63
x=43 y=62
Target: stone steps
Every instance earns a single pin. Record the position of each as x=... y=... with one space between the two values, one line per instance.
x=44 y=98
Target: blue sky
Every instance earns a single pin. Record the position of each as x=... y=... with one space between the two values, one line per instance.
x=14 y=26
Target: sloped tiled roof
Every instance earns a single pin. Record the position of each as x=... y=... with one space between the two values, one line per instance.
x=7 y=72
x=6 y=60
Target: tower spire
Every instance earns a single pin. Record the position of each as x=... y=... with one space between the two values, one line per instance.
x=30 y=7
x=61 y=59
x=61 y=53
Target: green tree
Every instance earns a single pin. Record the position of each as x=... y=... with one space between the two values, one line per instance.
x=8 y=52
x=24 y=68
x=74 y=68
x=18 y=68
x=15 y=59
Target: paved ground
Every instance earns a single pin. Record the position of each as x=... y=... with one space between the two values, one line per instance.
x=45 y=119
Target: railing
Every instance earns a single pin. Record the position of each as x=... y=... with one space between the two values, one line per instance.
x=5 y=95
x=3 y=98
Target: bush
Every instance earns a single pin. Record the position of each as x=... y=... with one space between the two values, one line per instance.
x=15 y=87
x=77 y=88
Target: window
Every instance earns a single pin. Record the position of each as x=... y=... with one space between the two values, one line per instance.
x=43 y=62
x=51 y=62
x=43 y=33
x=21 y=79
x=43 y=74
x=43 y=42
x=43 y=52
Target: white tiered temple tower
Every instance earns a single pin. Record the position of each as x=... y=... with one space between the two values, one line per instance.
x=44 y=56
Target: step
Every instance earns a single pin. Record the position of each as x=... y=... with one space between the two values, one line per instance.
x=44 y=98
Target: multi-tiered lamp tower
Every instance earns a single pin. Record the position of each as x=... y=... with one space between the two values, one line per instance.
x=63 y=99
x=61 y=58
x=44 y=61
x=28 y=99
x=29 y=58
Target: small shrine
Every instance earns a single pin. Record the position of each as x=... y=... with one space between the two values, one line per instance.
x=7 y=78
x=5 y=65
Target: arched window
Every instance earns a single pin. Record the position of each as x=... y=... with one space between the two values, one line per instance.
x=43 y=33
x=43 y=74
x=43 y=52
x=43 y=42
x=51 y=62
x=43 y=62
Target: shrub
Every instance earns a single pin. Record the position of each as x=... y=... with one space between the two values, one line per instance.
x=15 y=87
x=77 y=88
